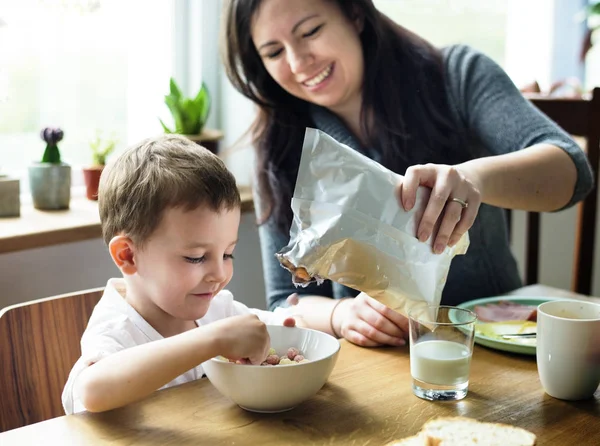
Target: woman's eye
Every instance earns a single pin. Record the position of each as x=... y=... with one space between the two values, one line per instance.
x=195 y=259
x=228 y=257
x=313 y=31
x=274 y=54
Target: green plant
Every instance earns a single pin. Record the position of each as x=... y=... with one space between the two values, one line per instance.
x=188 y=114
x=101 y=148
x=589 y=15
x=52 y=136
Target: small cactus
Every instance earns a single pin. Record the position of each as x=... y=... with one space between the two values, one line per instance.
x=52 y=136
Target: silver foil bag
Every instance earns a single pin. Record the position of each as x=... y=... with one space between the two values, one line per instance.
x=349 y=227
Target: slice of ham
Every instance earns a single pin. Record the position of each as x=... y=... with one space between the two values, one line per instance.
x=506 y=311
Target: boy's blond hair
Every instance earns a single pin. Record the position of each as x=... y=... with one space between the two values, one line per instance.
x=159 y=173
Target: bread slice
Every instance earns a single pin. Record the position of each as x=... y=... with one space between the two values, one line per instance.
x=461 y=431
x=416 y=440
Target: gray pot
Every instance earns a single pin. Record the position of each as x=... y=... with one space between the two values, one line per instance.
x=50 y=185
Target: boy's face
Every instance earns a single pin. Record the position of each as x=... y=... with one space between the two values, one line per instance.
x=186 y=262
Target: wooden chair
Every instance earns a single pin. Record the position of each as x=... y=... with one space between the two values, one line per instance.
x=578 y=117
x=39 y=343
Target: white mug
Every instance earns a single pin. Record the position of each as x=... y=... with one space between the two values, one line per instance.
x=568 y=348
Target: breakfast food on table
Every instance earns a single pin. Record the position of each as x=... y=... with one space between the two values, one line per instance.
x=496 y=330
x=507 y=318
x=505 y=311
x=461 y=431
x=291 y=356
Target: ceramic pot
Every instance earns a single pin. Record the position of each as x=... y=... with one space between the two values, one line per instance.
x=91 y=176
x=209 y=138
x=10 y=203
x=50 y=185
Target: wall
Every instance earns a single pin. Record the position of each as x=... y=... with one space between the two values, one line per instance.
x=53 y=270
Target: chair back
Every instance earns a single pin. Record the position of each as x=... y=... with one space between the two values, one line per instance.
x=578 y=117
x=39 y=344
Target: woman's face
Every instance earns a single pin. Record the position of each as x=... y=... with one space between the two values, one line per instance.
x=312 y=50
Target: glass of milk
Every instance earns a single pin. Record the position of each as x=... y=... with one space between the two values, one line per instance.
x=441 y=346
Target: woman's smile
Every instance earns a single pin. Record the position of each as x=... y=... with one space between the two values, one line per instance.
x=317 y=81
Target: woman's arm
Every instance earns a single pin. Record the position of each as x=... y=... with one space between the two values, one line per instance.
x=519 y=158
x=540 y=178
x=539 y=167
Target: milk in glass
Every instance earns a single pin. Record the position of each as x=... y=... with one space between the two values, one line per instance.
x=440 y=362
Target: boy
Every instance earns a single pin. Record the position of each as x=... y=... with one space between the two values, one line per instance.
x=170 y=212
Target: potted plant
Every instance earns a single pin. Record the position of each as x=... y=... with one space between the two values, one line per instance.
x=101 y=148
x=589 y=15
x=10 y=202
x=50 y=179
x=190 y=115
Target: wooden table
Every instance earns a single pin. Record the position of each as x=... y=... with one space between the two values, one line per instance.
x=36 y=228
x=367 y=401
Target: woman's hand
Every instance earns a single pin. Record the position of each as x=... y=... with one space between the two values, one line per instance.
x=366 y=322
x=295 y=320
x=446 y=183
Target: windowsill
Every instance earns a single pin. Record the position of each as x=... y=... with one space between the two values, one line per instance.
x=36 y=229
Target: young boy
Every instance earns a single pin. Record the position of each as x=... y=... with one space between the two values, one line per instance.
x=170 y=212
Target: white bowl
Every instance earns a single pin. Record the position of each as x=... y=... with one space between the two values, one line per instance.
x=282 y=387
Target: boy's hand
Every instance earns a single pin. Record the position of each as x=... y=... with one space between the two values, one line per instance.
x=242 y=337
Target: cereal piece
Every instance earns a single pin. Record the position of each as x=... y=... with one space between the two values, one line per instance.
x=285 y=360
x=272 y=351
x=298 y=358
x=292 y=352
x=272 y=359
x=303 y=361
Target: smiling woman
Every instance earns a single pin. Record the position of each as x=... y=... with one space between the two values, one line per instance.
x=322 y=47
x=448 y=119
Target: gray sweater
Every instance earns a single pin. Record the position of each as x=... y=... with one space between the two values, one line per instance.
x=493 y=118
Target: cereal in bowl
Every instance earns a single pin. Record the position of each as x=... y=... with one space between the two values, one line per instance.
x=292 y=356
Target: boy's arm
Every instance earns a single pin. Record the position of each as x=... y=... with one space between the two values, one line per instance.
x=134 y=373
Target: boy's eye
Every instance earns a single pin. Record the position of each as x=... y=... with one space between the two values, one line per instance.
x=313 y=31
x=195 y=259
x=203 y=258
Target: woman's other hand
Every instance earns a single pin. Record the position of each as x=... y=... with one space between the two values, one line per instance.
x=453 y=204
x=366 y=322
x=295 y=320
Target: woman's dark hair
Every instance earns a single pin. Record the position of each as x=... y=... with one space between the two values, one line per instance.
x=403 y=92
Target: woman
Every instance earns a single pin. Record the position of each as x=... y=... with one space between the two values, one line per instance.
x=447 y=119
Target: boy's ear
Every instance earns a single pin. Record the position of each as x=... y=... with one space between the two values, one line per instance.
x=121 y=250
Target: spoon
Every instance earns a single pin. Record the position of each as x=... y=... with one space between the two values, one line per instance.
x=519 y=335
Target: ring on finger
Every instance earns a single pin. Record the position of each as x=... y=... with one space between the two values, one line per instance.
x=462 y=203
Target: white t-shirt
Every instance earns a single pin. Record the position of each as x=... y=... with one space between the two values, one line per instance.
x=115 y=325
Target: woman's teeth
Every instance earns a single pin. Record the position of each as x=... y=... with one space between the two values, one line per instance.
x=319 y=77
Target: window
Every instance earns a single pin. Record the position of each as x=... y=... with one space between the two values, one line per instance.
x=84 y=66
x=480 y=24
